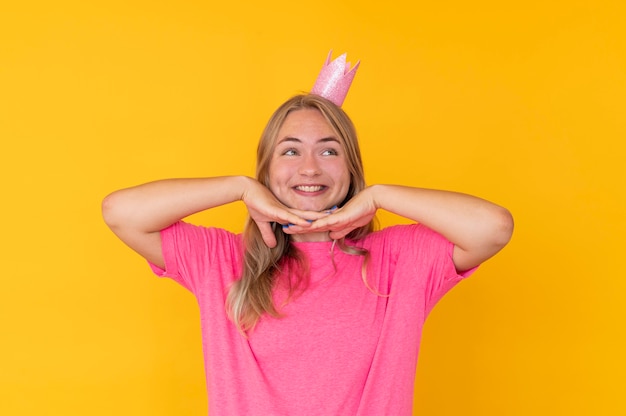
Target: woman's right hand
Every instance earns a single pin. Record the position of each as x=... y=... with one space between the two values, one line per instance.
x=264 y=209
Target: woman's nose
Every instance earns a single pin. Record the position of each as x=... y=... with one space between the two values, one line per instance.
x=310 y=166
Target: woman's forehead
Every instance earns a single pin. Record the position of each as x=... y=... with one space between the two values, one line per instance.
x=306 y=124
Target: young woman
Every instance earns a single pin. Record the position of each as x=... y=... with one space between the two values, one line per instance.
x=310 y=311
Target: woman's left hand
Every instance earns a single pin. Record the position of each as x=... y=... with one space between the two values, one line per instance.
x=357 y=213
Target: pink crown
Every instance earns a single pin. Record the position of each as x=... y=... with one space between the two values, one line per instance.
x=333 y=81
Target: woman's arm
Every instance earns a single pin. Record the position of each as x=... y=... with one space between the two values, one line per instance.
x=477 y=228
x=138 y=214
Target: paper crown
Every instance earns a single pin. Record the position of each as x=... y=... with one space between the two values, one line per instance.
x=333 y=81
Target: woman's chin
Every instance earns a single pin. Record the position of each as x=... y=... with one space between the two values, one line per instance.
x=304 y=205
x=311 y=207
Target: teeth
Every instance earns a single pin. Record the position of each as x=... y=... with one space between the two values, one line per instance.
x=305 y=188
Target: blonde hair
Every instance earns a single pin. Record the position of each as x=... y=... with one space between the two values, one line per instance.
x=251 y=296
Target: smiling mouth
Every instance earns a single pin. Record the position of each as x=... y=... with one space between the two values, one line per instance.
x=309 y=188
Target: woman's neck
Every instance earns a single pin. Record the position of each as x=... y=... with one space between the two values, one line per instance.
x=310 y=238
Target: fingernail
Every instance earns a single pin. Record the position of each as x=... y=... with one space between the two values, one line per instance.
x=331 y=210
x=309 y=221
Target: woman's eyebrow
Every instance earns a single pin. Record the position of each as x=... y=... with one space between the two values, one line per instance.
x=295 y=139
x=289 y=139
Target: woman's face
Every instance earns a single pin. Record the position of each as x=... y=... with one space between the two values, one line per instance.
x=308 y=168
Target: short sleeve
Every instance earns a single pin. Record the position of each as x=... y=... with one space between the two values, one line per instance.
x=193 y=254
x=425 y=257
x=438 y=251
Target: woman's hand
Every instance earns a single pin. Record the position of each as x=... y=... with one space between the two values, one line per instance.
x=264 y=209
x=357 y=213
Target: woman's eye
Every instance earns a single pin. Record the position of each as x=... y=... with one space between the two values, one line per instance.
x=290 y=152
x=329 y=152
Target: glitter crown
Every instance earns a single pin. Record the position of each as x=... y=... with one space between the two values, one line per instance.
x=333 y=81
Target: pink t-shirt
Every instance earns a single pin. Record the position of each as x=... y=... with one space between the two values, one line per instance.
x=339 y=349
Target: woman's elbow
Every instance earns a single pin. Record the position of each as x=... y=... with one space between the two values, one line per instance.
x=503 y=225
x=112 y=210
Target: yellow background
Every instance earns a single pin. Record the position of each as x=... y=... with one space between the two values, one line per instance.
x=520 y=102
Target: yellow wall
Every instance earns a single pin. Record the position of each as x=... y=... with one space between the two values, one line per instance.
x=520 y=102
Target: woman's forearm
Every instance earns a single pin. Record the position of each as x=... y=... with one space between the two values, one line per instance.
x=478 y=228
x=138 y=214
x=154 y=206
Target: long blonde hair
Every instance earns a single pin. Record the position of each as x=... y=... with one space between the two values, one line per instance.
x=251 y=296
